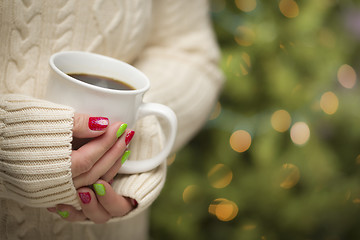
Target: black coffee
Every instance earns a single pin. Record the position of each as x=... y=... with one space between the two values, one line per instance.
x=101 y=81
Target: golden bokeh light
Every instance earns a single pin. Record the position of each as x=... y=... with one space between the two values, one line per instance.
x=224 y=209
x=189 y=193
x=357 y=160
x=244 y=36
x=281 y=120
x=291 y=176
x=289 y=8
x=171 y=159
x=300 y=133
x=216 y=112
x=248 y=227
x=240 y=141
x=329 y=103
x=346 y=76
x=246 y=59
x=220 y=176
x=246 y=5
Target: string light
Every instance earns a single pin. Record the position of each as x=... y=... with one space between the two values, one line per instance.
x=224 y=209
x=291 y=175
x=171 y=159
x=289 y=8
x=246 y=5
x=346 y=76
x=244 y=36
x=329 y=103
x=281 y=120
x=300 y=133
x=240 y=141
x=189 y=193
x=220 y=176
x=216 y=112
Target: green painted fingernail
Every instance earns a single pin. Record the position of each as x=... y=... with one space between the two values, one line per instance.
x=99 y=189
x=121 y=130
x=125 y=156
x=63 y=214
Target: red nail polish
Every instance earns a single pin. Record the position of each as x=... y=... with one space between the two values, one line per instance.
x=134 y=203
x=85 y=197
x=128 y=137
x=98 y=123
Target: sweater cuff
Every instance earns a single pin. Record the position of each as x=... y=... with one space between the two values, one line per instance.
x=35 y=148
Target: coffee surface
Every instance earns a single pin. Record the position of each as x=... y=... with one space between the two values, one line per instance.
x=101 y=81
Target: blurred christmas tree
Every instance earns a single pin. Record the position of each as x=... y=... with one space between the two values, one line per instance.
x=279 y=158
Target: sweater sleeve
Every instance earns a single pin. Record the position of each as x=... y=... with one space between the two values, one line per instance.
x=181 y=61
x=35 y=148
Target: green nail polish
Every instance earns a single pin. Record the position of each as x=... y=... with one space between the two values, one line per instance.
x=121 y=130
x=63 y=214
x=125 y=156
x=99 y=189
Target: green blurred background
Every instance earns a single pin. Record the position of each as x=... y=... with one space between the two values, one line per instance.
x=279 y=157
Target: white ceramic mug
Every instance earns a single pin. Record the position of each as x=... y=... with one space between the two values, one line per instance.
x=118 y=105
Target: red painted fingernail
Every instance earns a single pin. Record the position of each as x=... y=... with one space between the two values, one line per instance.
x=128 y=137
x=98 y=123
x=85 y=197
x=134 y=203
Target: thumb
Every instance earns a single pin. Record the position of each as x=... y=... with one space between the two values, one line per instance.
x=89 y=127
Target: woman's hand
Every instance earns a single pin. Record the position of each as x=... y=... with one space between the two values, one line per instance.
x=103 y=155
x=99 y=204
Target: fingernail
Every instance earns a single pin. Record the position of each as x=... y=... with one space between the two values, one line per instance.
x=121 y=130
x=98 y=123
x=133 y=202
x=63 y=214
x=125 y=156
x=51 y=209
x=99 y=189
x=85 y=197
x=128 y=137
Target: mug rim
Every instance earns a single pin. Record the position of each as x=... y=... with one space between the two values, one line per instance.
x=94 y=87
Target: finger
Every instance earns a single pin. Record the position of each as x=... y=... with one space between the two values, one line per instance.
x=91 y=208
x=113 y=203
x=109 y=164
x=69 y=213
x=83 y=159
x=89 y=127
x=111 y=173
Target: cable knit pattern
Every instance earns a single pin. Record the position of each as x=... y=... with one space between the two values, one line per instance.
x=170 y=41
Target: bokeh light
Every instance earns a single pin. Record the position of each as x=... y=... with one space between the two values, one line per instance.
x=346 y=76
x=244 y=36
x=189 y=193
x=290 y=176
x=281 y=120
x=171 y=159
x=240 y=141
x=357 y=160
x=289 y=8
x=224 y=209
x=220 y=176
x=216 y=112
x=246 y=5
x=329 y=103
x=300 y=133
x=246 y=58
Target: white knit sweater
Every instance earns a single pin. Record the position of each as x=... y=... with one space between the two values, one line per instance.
x=170 y=41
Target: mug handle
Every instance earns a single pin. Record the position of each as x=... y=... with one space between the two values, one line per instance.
x=164 y=112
